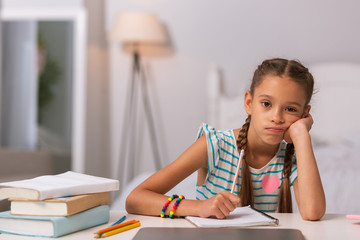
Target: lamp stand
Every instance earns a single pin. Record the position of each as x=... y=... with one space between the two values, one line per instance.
x=128 y=138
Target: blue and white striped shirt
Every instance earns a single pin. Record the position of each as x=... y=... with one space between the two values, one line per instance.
x=223 y=157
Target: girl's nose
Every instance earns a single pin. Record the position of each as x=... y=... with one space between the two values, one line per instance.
x=277 y=116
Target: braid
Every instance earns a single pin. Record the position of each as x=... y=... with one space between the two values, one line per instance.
x=246 y=193
x=285 y=201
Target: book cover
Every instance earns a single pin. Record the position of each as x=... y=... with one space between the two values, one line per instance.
x=46 y=226
x=240 y=217
x=64 y=206
x=54 y=186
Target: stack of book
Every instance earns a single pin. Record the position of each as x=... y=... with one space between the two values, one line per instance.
x=55 y=205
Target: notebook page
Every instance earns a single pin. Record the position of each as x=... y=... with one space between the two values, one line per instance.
x=240 y=217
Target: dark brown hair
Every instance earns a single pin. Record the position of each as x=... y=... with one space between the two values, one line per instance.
x=295 y=71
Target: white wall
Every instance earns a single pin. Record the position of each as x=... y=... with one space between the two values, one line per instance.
x=236 y=35
x=97 y=102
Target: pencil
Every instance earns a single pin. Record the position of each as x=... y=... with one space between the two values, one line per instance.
x=121 y=229
x=118 y=221
x=237 y=171
x=115 y=226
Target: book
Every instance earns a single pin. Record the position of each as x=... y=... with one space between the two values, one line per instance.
x=240 y=217
x=49 y=226
x=54 y=186
x=64 y=206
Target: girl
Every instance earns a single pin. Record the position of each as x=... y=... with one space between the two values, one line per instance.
x=278 y=124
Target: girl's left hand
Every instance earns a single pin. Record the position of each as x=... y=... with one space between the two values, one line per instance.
x=297 y=128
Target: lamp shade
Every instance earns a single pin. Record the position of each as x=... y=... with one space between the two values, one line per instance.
x=137 y=27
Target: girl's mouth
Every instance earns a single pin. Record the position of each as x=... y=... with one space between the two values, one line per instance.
x=276 y=130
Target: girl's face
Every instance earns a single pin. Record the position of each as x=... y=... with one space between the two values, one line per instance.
x=276 y=103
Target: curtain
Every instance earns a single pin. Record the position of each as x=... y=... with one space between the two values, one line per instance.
x=19 y=85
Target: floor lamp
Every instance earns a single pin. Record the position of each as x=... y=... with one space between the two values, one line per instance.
x=135 y=30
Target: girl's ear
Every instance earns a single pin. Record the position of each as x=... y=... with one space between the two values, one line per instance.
x=306 y=111
x=248 y=102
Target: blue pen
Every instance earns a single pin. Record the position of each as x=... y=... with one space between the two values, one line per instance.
x=118 y=221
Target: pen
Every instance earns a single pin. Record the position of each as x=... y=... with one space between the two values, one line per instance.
x=237 y=171
x=118 y=221
x=121 y=229
x=275 y=220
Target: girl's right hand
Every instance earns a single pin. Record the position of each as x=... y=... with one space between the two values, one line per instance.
x=219 y=205
x=296 y=129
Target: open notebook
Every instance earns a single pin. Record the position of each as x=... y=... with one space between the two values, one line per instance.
x=240 y=217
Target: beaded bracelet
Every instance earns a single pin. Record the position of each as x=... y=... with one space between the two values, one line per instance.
x=171 y=215
x=167 y=204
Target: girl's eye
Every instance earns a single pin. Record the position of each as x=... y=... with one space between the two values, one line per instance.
x=266 y=104
x=290 y=109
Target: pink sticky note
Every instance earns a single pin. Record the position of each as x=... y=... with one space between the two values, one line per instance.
x=353 y=217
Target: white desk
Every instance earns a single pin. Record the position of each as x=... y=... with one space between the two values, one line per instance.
x=331 y=227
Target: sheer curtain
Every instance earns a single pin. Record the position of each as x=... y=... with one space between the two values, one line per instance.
x=19 y=85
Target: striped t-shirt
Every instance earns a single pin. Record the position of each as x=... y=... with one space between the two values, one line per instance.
x=223 y=157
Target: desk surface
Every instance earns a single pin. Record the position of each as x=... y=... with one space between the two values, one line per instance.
x=332 y=226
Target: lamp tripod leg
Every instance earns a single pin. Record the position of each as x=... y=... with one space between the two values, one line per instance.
x=150 y=120
x=128 y=125
x=129 y=128
x=133 y=126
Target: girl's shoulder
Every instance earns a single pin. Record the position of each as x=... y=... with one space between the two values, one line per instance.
x=216 y=135
x=208 y=130
x=236 y=132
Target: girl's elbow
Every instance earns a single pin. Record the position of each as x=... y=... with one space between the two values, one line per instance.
x=313 y=213
x=130 y=203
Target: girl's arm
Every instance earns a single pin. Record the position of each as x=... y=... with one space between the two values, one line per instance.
x=308 y=188
x=148 y=198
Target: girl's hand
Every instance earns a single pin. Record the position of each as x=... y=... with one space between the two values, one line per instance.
x=296 y=129
x=219 y=205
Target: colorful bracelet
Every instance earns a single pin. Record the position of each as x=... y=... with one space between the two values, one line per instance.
x=171 y=215
x=167 y=204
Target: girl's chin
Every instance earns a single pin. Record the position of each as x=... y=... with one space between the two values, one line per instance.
x=273 y=140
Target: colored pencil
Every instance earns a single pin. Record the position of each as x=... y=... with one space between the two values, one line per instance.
x=118 y=221
x=115 y=226
x=121 y=229
x=237 y=171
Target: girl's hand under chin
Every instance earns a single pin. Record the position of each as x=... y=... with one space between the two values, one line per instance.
x=297 y=128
